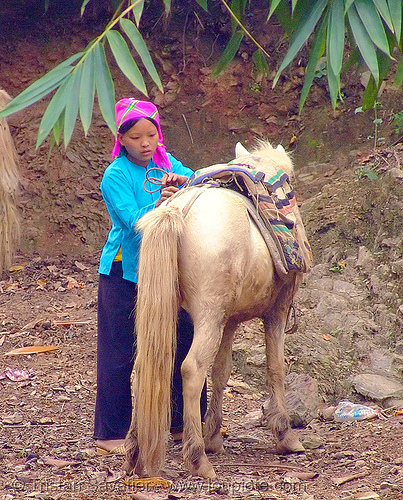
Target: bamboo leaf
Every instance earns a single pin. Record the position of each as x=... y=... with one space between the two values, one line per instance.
x=347 y=5
x=364 y=42
x=203 y=4
x=370 y=94
x=395 y=7
x=167 y=5
x=53 y=111
x=41 y=87
x=83 y=6
x=302 y=33
x=57 y=129
x=273 y=7
x=104 y=86
x=229 y=52
x=260 y=62
x=141 y=48
x=398 y=81
x=137 y=10
x=373 y=24
x=384 y=11
x=333 y=81
x=335 y=36
x=316 y=52
x=71 y=110
x=293 y=5
x=125 y=60
x=87 y=92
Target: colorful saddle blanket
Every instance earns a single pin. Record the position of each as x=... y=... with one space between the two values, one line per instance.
x=271 y=204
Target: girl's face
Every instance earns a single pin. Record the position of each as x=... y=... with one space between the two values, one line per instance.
x=140 y=142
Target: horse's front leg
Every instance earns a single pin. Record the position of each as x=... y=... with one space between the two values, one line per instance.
x=220 y=374
x=194 y=371
x=275 y=411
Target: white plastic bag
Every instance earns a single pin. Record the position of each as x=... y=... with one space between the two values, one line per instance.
x=352 y=412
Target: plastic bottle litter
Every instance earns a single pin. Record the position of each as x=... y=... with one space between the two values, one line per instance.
x=352 y=412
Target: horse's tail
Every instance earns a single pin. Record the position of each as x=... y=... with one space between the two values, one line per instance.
x=9 y=183
x=156 y=316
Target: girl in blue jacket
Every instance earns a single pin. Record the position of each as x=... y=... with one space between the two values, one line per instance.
x=128 y=195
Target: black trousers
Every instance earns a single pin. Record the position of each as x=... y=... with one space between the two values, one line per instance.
x=115 y=357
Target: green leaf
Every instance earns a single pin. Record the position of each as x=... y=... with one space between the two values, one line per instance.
x=203 y=4
x=399 y=74
x=167 y=5
x=260 y=62
x=71 y=110
x=372 y=88
x=373 y=24
x=395 y=7
x=125 y=60
x=302 y=33
x=273 y=7
x=335 y=36
x=364 y=42
x=347 y=5
x=334 y=85
x=41 y=87
x=229 y=53
x=57 y=129
x=53 y=111
x=87 y=91
x=293 y=5
x=105 y=87
x=141 y=48
x=316 y=52
x=83 y=6
x=137 y=10
x=384 y=11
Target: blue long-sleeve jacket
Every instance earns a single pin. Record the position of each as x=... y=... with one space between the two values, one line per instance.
x=127 y=201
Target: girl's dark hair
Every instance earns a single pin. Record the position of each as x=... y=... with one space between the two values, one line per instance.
x=130 y=123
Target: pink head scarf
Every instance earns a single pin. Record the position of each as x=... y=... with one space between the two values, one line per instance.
x=132 y=109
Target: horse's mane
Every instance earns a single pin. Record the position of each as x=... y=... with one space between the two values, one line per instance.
x=269 y=159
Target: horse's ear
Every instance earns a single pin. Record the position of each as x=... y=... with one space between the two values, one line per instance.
x=240 y=150
x=280 y=148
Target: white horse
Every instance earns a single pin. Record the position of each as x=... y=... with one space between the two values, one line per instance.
x=9 y=182
x=213 y=262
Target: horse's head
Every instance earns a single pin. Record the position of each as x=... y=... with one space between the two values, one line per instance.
x=266 y=158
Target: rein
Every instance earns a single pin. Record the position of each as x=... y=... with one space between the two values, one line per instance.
x=153 y=180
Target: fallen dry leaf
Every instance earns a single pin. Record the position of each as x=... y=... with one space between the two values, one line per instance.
x=17 y=267
x=149 y=481
x=34 y=349
x=301 y=475
x=80 y=266
x=72 y=322
x=58 y=463
x=2 y=339
x=338 y=481
x=326 y=337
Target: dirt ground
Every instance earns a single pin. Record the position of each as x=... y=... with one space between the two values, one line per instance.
x=48 y=298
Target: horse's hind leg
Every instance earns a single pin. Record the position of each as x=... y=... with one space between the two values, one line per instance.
x=132 y=462
x=275 y=411
x=194 y=371
x=220 y=374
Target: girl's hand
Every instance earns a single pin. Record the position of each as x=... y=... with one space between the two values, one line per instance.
x=172 y=179
x=166 y=193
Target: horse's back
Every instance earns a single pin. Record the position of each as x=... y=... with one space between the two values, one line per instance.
x=223 y=260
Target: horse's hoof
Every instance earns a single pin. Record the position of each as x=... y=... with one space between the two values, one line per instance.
x=205 y=469
x=214 y=444
x=290 y=444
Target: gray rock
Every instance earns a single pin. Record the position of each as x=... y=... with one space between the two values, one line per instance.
x=364 y=259
x=396 y=173
x=397 y=267
x=376 y=387
x=302 y=398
